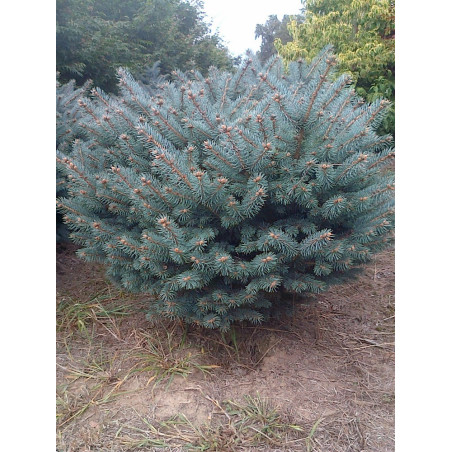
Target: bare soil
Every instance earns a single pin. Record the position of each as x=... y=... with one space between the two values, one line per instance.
x=329 y=370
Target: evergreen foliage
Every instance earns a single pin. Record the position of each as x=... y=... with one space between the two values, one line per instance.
x=362 y=33
x=226 y=197
x=68 y=131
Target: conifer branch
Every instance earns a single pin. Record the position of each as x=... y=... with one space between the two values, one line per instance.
x=391 y=155
x=384 y=140
x=192 y=97
x=361 y=158
x=147 y=183
x=359 y=134
x=299 y=139
x=134 y=98
x=243 y=135
x=336 y=117
x=210 y=148
x=155 y=242
x=223 y=97
x=166 y=224
x=338 y=90
x=95 y=92
x=212 y=92
x=227 y=131
x=137 y=191
x=123 y=116
x=174 y=169
x=267 y=147
x=323 y=78
x=383 y=104
x=263 y=77
x=156 y=112
x=244 y=100
x=198 y=129
x=69 y=164
x=90 y=130
x=242 y=73
x=317 y=62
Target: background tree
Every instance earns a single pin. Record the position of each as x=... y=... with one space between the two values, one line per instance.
x=270 y=31
x=362 y=33
x=95 y=37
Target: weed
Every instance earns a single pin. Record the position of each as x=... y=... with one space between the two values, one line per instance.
x=309 y=439
x=101 y=310
x=97 y=367
x=258 y=417
x=167 y=357
x=94 y=381
x=254 y=422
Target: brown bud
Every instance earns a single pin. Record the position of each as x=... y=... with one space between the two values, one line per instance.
x=164 y=222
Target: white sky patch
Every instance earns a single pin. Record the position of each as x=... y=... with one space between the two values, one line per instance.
x=236 y=20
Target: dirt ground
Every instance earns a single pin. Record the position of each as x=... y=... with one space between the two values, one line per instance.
x=322 y=380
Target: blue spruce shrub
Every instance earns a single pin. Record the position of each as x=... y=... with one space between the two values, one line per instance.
x=223 y=197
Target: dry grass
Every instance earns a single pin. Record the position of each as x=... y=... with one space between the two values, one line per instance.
x=250 y=423
x=165 y=355
x=320 y=381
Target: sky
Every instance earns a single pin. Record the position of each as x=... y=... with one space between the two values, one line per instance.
x=236 y=20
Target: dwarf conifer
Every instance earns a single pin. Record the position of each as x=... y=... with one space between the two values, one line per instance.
x=224 y=196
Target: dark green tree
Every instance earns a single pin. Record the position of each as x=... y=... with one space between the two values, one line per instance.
x=95 y=37
x=227 y=197
x=274 y=29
